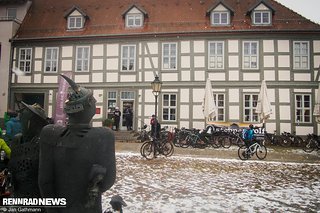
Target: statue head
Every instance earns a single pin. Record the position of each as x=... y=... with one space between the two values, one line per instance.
x=33 y=118
x=80 y=105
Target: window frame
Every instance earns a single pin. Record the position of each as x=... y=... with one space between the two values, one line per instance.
x=135 y=16
x=253 y=100
x=303 y=109
x=82 y=59
x=220 y=13
x=300 y=56
x=24 y=60
x=219 y=107
x=170 y=57
x=169 y=107
x=215 y=56
x=250 y=55
x=13 y=9
x=128 y=58
x=51 y=60
x=74 y=26
x=261 y=13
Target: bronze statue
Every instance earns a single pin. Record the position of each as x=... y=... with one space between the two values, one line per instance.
x=77 y=162
x=24 y=162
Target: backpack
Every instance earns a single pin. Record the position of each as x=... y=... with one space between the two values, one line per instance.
x=245 y=134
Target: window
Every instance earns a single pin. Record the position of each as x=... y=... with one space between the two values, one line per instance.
x=127 y=95
x=262 y=17
x=219 y=100
x=75 y=22
x=303 y=108
x=216 y=55
x=51 y=59
x=250 y=55
x=134 y=20
x=169 y=107
x=220 y=18
x=128 y=58
x=25 y=59
x=250 y=104
x=82 y=61
x=169 y=56
x=301 y=54
x=12 y=13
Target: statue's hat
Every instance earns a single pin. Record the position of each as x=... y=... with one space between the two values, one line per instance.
x=36 y=109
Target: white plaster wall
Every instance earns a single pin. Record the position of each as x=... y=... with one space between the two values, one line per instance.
x=185 y=124
x=50 y=79
x=234 y=75
x=285 y=112
x=96 y=124
x=269 y=75
x=285 y=127
x=153 y=47
x=112 y=77
x=97 y=64
x=284 y=61
x=284 y=95
x=149 y=110
x=81 y=78
x=234 y=95
x=199 y=75
x=218 y=76
x=268 y=46
x=302 y=77
x=67 y=51
x=112 y=63
x=184 y=111
x=185 y=75
x=50 y=99
x=154 y=63
x=112 y=49
x=271 y=127
x=198 y=95
x=169 y=76
x=148 y=96
x=37 y=78
x=50 y=110
x=66 y=65
x=198 y=46
x=127 y=78
x=185 y=46
x=98 y=95
x=271 y=94
x=184 y=95
x=149 y=76
x=197 y=112
x=268 y=61
x=316 y=61
x=251 y=76
x=38 y=52
x=284 y=75
x=316 y=46
x=233 y=46
x=304 y=130
x=234 y=113
x=283 y=46
x=97 y=77
x=234 y=61
x=199 y=61
x=198 y=125
x=97 y=50
x=37 y=66
x=185 y=61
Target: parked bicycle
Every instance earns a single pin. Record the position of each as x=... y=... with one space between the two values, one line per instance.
x=256 y=148
x=311 y=143
x=272 y=139
x=151 y=149
x=289 y=139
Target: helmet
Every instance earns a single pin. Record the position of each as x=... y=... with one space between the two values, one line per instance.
x=77 y=97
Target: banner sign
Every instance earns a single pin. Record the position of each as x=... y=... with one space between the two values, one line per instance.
x=60 y=115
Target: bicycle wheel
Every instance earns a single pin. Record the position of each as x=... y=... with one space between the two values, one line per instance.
x=286 y=142
x=226 y=142
x=142 y=147
x=215 y=142
x=167 y=149
x=261 y=152
x=148 y=150
x=310 y=145
x=298 y=141
x=242 y=153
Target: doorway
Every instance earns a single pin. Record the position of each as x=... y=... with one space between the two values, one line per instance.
x=124 y=105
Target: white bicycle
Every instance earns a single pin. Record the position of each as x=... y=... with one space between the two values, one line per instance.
x=257 y=148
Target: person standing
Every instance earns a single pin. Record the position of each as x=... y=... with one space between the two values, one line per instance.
x=129 y=117
x=13 y=126
x=116 y=118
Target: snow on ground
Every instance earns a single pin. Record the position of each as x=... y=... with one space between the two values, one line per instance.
x=201 y=185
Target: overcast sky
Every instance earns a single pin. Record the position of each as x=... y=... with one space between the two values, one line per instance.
x=307 y=8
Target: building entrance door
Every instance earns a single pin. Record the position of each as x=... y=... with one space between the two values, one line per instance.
x=124 y=121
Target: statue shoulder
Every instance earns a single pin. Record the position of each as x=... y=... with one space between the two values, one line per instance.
x=51 y=132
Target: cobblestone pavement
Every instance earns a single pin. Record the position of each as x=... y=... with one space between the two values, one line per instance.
x=198 y=183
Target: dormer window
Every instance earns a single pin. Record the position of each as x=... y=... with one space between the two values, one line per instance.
x=261 y=13
x=76 y=18
x=134 y=16
x=220 y=14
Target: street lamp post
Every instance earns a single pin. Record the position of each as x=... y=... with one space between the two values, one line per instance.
x=156 y=89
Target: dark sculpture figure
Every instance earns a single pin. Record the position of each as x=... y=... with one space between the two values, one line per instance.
x=24 y=162
x=77 y=162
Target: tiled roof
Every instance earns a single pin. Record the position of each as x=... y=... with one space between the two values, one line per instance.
x=45 y=18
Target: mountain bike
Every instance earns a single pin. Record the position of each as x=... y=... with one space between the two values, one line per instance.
x=289 y=139
x=257 y=148
x=151 y=149
x=272 y=138
x=311 y=143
